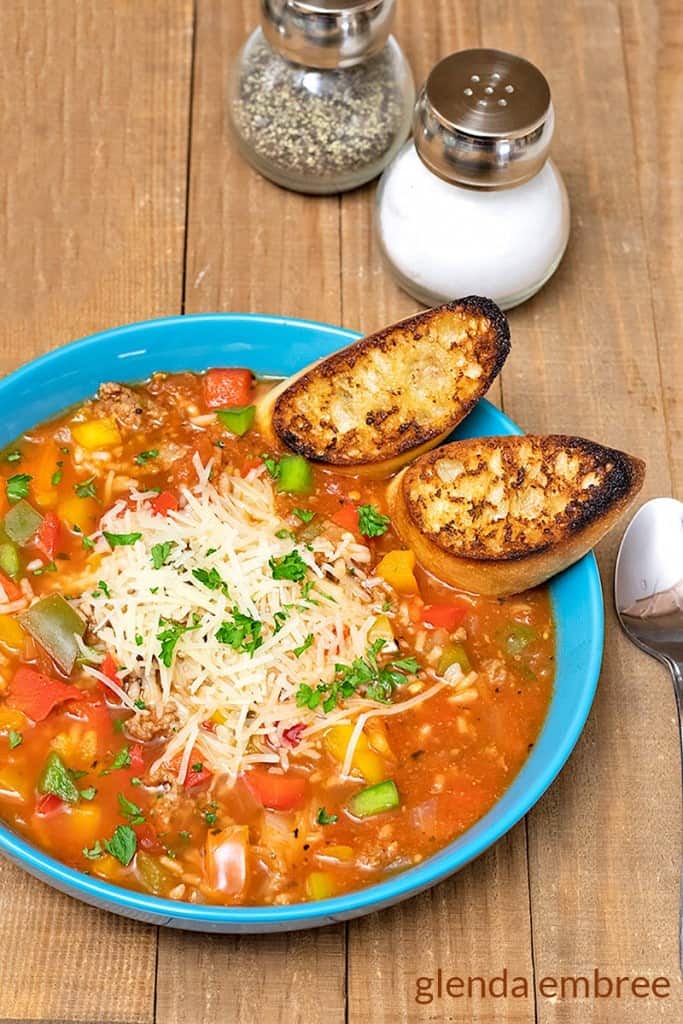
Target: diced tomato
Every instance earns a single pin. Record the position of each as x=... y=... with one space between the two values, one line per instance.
x=11 y=591
x=251 y=462
x=347 y=517
x=49 y=803
x=196 y=775
x=37 y=694
x=224 y=389
x=137 y=759
x=147 y=837
x=109 y=669
x=292 y=736
x=164 y=503
x=49 y=534
x=277 y=792
x=445 y=616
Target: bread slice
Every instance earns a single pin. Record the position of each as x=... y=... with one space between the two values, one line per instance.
x=373 y=406
x=499 y=515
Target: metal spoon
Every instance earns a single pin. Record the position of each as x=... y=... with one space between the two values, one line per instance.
x=648 y=593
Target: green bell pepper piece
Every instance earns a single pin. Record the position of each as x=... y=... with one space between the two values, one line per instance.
x=454 y=654
x=239 y=420
x=22 y=522
x=517 y=637
x=54 y=624
x=375 y=799
x=9 y=559
x=152 y=873
x=55 y=779
x=295 y=475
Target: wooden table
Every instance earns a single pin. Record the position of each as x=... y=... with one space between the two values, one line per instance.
x=123 y=198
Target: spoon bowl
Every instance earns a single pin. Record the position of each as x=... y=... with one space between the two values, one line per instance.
x=648 y=594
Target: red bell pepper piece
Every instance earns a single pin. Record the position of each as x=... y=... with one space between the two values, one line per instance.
x=36 y=694
x=251 y=462
x=196 y=775
x=347 y=517
x=49 y=803
x=224 y=389
x=11 y=590
x=147 y=837
x=108 y=668
x=277 y=792
x=164 y=503
x=445 y=616
x=49 y=534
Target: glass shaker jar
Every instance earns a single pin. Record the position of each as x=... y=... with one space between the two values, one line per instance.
x=322 y=96
x=473 y=205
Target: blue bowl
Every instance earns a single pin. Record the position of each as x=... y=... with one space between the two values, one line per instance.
x=273 y=345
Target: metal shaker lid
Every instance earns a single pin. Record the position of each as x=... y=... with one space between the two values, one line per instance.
x=484 y=118
x=327 y=33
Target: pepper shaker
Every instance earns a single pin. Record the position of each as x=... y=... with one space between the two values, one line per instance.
x=474 y=205
x=322 y=96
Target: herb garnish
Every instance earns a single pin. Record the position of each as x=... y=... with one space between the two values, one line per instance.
x=121 y=760
x=304 y=514
x=86 y=488
x=243 y=633
x=14 y=456
x=211 y=579
x=371 y=522
x=56 y=478
x=144 y=457
x=298 y=651
x=130 y=810
x=15 y=739
x=288 y=567
x=364 y=675
x=122 y=844
x=324 y=818
x=121 y=540
x=168 y=638
x=17 y=486
x=161 y=553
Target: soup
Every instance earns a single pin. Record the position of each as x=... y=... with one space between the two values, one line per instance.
x=222 y=679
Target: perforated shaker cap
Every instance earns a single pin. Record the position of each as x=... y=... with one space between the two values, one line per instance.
x=327 y=33
x=484 y=118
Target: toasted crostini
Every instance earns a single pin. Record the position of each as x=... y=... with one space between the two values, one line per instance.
x=387 y=398
x=499 y=515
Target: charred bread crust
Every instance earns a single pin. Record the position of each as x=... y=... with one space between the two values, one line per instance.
x=407 y=386
x=501 y=515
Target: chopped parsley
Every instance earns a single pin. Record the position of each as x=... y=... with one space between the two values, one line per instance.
x=285 y=535
x=122 y=844
x=130 y=810
x=197 y=767
x=144 y=457
x=57 y=779
x=94 y=852
x=121 y=540
x=211 y=579
x=87 y=543
x=140 y=704
x=371 y=522
x=86 y=488
x=288 y=567
x=121 y=760
x=15 y=739
x=279 y=619
x=364 y=675
x=89 y=793
x=14 y=456
x=271 y=464
x=324 y=818
x=242 y=633
x=304 y=514
x=17 y=486
x=103 y=589
x=171 y=633
x=139 y=640
x=161 y=553
x=42 y=569
x=135 y=781
x=298 y=651
x=56 y=478
x=210 y=817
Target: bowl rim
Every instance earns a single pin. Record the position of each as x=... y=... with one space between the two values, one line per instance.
x=449 y=859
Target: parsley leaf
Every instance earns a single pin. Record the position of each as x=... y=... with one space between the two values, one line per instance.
x=271 y=464
x=144 y=457
x=285 y=535
x=130 y=810
x=298 y=651
x=210 y=817
x=304 y=514
x=243 y=633
x=161 y=553
x=89 y=793
x=122 y=844
x=95 y=852
x=86 y=488
x=168 y=638
x=57 y=780
x=17 y=486
x=211 y=578
x=279 y=619
x=364 y=675
x=102 y=588
x=15 y=739
x=42 y=569
x=121 y=540
x=14 y=456
x=288 y=567
x=121 y=760
x=324 y=818
x=56 y=478
x=87 y=543
x=371 y=522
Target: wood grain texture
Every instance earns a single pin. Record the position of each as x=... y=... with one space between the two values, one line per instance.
x=251 y=247
x=94 y=129
x=604 y=892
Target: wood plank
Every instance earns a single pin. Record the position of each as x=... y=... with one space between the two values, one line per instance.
x=603 y=889
x=251 y=247
x=95 y=121
x=653 y=41
x=478 y=922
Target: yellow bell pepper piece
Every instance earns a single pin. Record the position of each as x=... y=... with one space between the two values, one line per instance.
x=81 y=512
x=319 y=885
x=11 y=633
x=96 y=434
x=11 y=718
x=106 y=867
x=336 y=853
x=44 y=493
x=85 y=821
x=370 y=765
x=13 y=784
x=381 y=629
x=397 y=569
x=77 y=747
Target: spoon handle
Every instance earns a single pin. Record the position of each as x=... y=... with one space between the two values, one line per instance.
x=677 y=674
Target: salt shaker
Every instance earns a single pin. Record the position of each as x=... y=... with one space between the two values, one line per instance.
x=473 y=205
x=322 y=96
